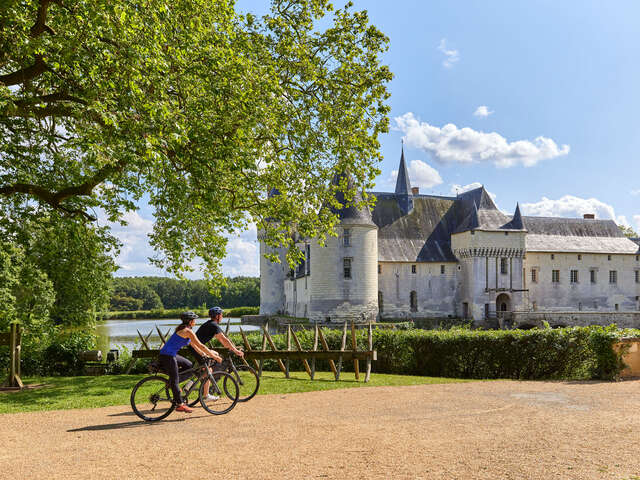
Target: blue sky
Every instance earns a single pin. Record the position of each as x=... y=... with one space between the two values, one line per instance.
x=539 y=101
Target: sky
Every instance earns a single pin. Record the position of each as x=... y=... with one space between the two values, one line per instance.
x=538 y=101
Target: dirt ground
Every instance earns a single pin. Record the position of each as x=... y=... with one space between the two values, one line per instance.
x=479 y=430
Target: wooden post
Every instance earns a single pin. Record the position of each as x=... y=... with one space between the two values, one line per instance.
x=315 y=349
x=344 y=344
x=162 y=339
x=325 y=347
x=304 y=360
x=273 y=346
x=356 y=363
x=247 y=348
x=226 y=330
x=287 y=363
x=14 y=360
x=144 y=340
x=370 y=344
x=264 y=346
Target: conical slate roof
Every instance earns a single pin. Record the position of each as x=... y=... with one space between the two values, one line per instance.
x=350 y=214
x=516 y=222
x=403 y=185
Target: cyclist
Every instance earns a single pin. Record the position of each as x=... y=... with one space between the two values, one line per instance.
x=211 y=329
x=172 y=363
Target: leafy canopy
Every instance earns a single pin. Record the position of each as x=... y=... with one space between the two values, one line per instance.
x=193 y=105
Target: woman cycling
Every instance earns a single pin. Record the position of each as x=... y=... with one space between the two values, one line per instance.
x=172 y=363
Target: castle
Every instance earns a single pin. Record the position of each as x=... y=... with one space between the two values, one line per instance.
x=426 y=256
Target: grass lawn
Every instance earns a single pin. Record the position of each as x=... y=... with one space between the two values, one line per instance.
x=61 y=393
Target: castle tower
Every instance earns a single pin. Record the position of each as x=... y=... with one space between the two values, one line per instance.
x=272 y=276
x=344 y=271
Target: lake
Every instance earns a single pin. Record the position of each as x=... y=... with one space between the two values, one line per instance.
x=118 y=333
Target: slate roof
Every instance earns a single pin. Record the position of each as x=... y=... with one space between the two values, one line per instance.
x=351 y=214
x=424 y=234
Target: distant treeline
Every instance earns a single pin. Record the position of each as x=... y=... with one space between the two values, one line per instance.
x=153 y=293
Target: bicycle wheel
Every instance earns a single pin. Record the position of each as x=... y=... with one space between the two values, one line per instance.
x=217 y=401
x=248 y=382
x=151 y=398
x=196 y=397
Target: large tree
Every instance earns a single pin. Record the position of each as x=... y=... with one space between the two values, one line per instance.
x=197 y=107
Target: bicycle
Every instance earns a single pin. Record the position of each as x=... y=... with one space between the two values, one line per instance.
x=152 y=398
x=246 y=377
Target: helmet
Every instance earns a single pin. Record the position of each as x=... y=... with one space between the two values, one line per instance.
x=215 y=311
x=187 y=316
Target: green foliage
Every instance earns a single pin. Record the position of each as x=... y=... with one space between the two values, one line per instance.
x=197 y=107
x=54 y=351
x=569 y=353
x=157 y=293
x=628 y=231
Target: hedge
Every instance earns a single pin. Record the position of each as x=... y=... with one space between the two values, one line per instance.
x=567 y=353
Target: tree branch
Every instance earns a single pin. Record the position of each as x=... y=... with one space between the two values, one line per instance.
x=26 y=74
x=55 y=199
x=40 y=26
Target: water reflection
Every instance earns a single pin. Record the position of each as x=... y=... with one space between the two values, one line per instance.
x=124 y=333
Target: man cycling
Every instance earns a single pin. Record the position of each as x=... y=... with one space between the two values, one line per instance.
x=211 y=329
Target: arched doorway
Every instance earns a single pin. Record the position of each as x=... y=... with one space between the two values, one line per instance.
x=503 y=304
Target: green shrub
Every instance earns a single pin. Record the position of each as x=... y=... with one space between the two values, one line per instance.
x=568 y=353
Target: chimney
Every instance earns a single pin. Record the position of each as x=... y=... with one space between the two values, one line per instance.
x=415 y=190
x=589 y=216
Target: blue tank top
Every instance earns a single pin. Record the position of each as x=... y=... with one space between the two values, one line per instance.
x=174 y=344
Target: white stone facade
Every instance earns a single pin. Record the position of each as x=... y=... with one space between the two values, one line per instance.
x=419 y=256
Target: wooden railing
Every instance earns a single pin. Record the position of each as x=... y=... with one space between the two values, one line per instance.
x=283 y=357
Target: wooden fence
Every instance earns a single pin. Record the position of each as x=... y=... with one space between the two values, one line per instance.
x=320 y=351
x=13 y=339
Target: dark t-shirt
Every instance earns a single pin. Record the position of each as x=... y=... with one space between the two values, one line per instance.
x=207 y=331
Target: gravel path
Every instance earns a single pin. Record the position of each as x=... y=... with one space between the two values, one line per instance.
x=480 y=430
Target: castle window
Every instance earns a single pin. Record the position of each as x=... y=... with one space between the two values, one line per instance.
x=413 y=269
x=579 y=257
x=506 y=233
x=637 y=272
x=573 y=276
x=346 y=237
x=555 y=276
x=613 y=276
x=534 y=275
x=637 y=258
x=592 y=273
x=535 y=306
x=379 y=269
x=441 y=269
x=580 y=306
x=308 y=252
x=617 y=307
x=413 y=298
x=608 y=257
x=346 y=267
x=380 y=302
x=553 y=256
x=503 y=266
x=595 y=305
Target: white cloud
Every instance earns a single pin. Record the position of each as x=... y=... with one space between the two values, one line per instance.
x=570 y=206
x=451 y=56
x=482 y=111
x=636 y=218
x=242 y=250
x=635 y=192
x=457 y=189
x=421 y=174
x=450 y=144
